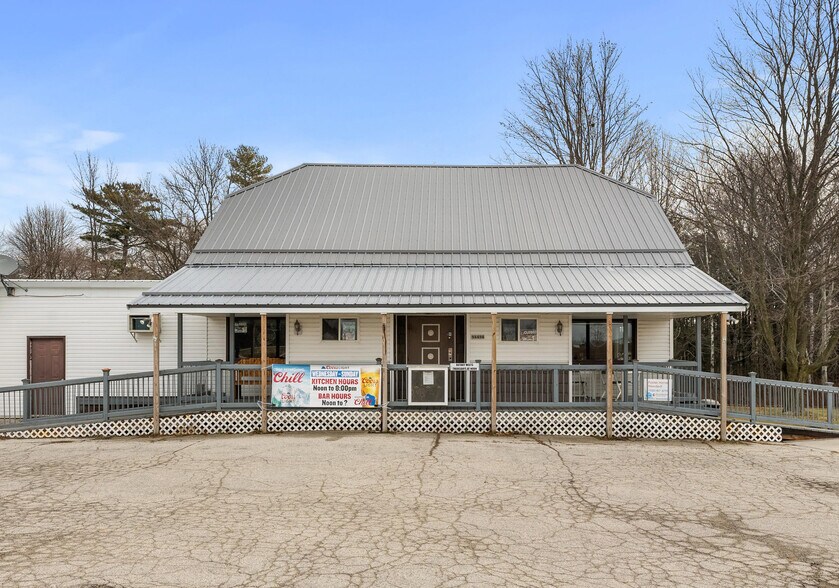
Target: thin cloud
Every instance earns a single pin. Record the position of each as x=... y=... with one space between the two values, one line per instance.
x=91 y=140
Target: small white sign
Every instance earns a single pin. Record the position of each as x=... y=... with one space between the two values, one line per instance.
x=427 y=378
x=464 y=367
x=657 y=390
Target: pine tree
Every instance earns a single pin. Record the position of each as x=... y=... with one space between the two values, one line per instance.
x=125 y=210
x=247 y=166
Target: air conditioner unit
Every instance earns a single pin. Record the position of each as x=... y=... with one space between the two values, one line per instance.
x=139 y=323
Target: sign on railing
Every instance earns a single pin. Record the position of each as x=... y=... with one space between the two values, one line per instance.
x=325 y=386
x=657 y=390
x=464 y=367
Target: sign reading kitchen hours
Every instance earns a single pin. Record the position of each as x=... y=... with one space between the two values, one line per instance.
x=325 y=386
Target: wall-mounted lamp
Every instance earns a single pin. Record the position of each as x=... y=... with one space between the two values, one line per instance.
x=297 y=328
x=559 y=327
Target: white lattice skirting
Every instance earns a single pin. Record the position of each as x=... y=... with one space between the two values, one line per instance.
x=438 y=421
x=552 y=422
x=656 y=425
x=643 y=425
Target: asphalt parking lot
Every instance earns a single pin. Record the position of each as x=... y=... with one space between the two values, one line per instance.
x=416 y=510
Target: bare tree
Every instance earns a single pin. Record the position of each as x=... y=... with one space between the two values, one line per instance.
x=765 y=188
x=198 y=182
x=89 y=174
x=44 y=241
x=576 y=109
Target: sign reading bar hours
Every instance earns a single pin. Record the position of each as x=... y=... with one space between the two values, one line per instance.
x=325 y=386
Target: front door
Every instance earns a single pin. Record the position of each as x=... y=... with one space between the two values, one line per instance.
x=430 y=340
x=46 y=364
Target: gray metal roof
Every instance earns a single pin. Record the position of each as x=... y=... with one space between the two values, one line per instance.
x=408 y=286
x=438 y=208
x=369 y=235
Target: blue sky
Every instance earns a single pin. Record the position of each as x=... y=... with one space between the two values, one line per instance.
x=368 y=82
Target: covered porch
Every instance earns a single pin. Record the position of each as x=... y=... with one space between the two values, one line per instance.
x=470 y=359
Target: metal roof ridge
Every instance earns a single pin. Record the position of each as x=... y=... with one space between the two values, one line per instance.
x=266 y=180
x=438 y=166
x=440 y=251
x=613 y=180
x=362 y=293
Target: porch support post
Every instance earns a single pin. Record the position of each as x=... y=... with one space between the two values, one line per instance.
x=625 y=356
x=180 y=340
x=384 y=377
x=625 y=339
x=231 y=339
x=231 y=355
x=698 y=361
x=493 y=404
x=263 y=336
x=723 y=376
x=610 y=374
x=155 y=329
x=180 y=356
x=699 y=344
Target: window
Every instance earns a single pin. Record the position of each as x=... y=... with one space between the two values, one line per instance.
x=139 y=323
x=343 y=329
x=588 y=341
x=518 y=329
x=247 y=337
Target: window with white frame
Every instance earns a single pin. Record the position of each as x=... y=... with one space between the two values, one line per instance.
x=519 y=329
x=339 y=329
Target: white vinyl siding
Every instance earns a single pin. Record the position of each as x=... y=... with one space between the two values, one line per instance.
x=655 y=339
x=309 y=347
x=549 y=347
x=94 y=321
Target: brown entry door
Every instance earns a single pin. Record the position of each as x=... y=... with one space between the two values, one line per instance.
x=431 y=340
x=46 y=364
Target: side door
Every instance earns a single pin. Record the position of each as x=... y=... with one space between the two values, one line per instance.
x=47 y=364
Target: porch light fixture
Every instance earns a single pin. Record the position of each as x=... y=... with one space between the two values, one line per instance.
x=559 y=327
x=297 y=328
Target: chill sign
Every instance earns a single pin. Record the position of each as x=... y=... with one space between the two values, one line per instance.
x=310 y=386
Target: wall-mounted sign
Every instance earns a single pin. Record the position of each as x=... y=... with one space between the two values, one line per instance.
x=657 y=390
x=477 y=336
x=325 y=386
x=464 y=367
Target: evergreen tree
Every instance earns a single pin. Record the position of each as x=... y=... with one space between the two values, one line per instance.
x=125 y=210
x=247 y=166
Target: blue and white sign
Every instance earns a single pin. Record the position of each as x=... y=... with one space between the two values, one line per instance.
x=657 y=390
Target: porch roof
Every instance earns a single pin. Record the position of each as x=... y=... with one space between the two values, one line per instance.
x=344 y=286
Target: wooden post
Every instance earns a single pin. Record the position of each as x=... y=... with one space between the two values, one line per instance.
x=383 y=382
x=610 y=376
x=155 y=330
x=723 y=376
x=493 y=406
x=263 y=336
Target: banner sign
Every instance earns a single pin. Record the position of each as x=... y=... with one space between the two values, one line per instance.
x=325 y=386
x=657 y=390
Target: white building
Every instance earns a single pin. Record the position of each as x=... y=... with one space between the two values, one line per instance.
x=328 y=252
x=57 y=329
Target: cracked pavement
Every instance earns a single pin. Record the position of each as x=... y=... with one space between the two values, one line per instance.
x=336 y=509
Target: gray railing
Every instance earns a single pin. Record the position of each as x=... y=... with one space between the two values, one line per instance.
x=197 y=387
x=218 y=386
